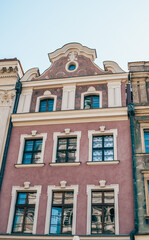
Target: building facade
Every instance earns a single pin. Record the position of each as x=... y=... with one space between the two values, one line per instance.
x=69 y=168
x=139 y=73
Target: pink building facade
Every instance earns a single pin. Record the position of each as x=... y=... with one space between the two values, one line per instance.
x=69 y=169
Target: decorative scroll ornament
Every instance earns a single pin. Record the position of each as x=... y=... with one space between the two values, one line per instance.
x=72 y=56
x=6 y=98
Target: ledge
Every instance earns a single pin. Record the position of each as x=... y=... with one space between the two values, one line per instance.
x=103 y=162
x=142 y=154
x=144 y=170
x=64 y=164
x=29 y=165
x=146 y=217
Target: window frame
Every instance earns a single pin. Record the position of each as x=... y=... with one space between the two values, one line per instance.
x=143 y=127
x=47 y=95
x=15 y=190
x=112 y=187
x=92 y=99
x=146 y=184
x=25 y=137
x=57 y=135
x=50 y=190
x=91 y=91
x=47 y=103
x=110 y=132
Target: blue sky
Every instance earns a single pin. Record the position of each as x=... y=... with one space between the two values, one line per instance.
x=117 y=29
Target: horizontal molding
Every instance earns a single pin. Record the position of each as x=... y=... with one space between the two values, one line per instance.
x=29 y=165
x=142 y=154
x=70 y=116
x=142 y=111
x=65 y=164
x=103 y=162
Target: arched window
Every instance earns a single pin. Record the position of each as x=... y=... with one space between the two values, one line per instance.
x=91 y=102
x=46 y=105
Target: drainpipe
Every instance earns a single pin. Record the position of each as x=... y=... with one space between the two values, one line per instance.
x=131 y=114
x=18 y=89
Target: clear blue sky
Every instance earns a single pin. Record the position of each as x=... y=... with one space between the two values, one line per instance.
x=117 y=29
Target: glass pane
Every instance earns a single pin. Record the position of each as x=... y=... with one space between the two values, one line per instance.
x=95 y=101
x=43 y=105
x=108 y=197
x=36 y=157
x=18 y=220
x=96 y=219
x=108 y=141
x=27 y=158
x=50 y=105
x=62 y=144
x=96 y=197
x=72 y=143
x=56 y=220
x=109 y=220
x=71 y=156
x=28 y=145
x=97 y=155
x=68 y=198
x=67 y=220
x=108 y=155
x=31 y=198
x=61 y=156
x=29 y=220
x=21 y=198
x=38 y=145
x=57 y=198
x=97 y=142
x=87 y=102
x=146 y=138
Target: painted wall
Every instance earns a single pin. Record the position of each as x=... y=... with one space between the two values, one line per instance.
x=75 y=175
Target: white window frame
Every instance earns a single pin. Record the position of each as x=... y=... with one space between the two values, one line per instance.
x=91 y=91
x=15 y=190
x=92 y=133
x=24 y=137
x=90 y=188
x=50 y=190
x=46 y=96
x=57 y=135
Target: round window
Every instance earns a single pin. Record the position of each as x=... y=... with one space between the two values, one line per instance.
x=72 y=67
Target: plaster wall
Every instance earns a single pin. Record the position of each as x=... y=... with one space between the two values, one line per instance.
x=82 y=175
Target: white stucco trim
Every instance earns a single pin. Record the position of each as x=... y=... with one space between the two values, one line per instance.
x=114 y=94
x=25 y=101
x=24 y=137
x=47 y=95
x=52 y=188
x=89 y=189
x=56 y=135
x=68 y=98
x=92 y=133
x=91 y=91
x=15 y=190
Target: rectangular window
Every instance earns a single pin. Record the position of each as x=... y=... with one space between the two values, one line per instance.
x=66 y=150
x=46 y=105
x=102 y=148
x=62 y=213
x=91 y=101
x=24 y=212
x=103 y=217
x=32 y=151
x=146 y=141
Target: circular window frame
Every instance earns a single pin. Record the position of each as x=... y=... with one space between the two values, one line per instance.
x=71 y=63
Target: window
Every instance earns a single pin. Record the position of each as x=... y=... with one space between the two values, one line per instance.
x=146 y=184
x=32 y=151
x=102 y=209
x=62 y=213
x=24 y=212
x=91 y=101
x=46 y=105
x=66 y=149
x=146 y=141
x=103 y=148
x=103 y=221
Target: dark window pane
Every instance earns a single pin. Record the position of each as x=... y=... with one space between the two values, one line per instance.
x=71 y=156
x=36 y=157
x=108 y=155
x=57 y=198
x=28 y=145
x=56 y=220
x=50 y=105
x=72 y=143
x=87 y=102
x=109 y=220
x=38 y=145
x=29 y=220
x=27 y=158
x=21 y=198
x=146 y=138
x=61 y=156
x=31 y=198
x=96 y=197
x=108 y=141
x=18 y=220
x=67 y=220
x=68 y=198
x=109 y=197
x=97 y=155
x=46 y=105
x=62 y=143
x=97 y=142
x=95 y=101
x=43 y=105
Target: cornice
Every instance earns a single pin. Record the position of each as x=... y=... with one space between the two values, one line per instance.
x=75 y=116
x=123 y=77
x=142 y=110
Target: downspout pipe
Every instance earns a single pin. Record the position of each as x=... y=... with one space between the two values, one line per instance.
x=18 y=89
x=131 y=114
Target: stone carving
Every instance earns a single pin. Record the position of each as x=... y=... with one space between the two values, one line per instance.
x=6 y=98
x=63 y=184
x=72 y=56
x=102 y=183
x=26 y=185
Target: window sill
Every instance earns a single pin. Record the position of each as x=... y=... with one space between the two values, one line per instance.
x=103 y=162
x=29 y=165
x=64 y=164
x=142 y=154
